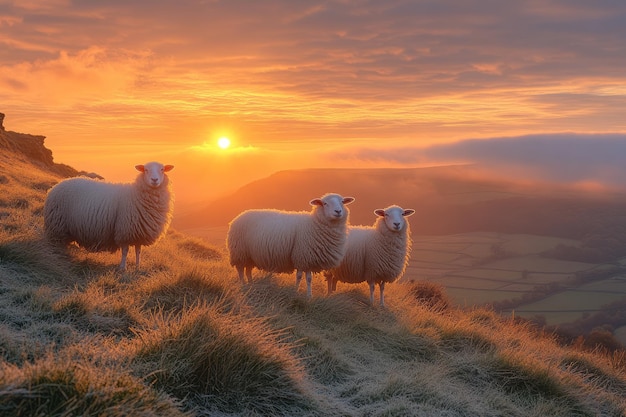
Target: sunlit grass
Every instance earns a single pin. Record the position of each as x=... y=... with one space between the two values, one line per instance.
x=172 y=293
x=61 y=386
x=222 y=361
x=181 y=336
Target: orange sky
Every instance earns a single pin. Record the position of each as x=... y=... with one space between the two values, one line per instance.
x=298 y=84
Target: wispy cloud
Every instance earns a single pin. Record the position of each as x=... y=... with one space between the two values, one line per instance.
x=214 y=148
x=441 y=56
x=566 y=157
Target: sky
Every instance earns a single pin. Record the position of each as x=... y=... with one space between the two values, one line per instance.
x=538 y=84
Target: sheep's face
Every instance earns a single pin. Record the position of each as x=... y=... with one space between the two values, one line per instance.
x=394 y=217
x=333 y=206
x=154 y=173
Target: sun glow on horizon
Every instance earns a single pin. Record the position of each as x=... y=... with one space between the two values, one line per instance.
x=223 y=142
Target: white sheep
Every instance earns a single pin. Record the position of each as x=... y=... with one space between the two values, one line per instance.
x=376 y=254
x=281 y=241
x=101 y=216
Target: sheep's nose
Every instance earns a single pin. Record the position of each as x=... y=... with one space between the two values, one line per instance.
x=397 y=225
x=338 y=212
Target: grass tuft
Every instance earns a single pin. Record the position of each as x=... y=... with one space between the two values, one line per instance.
x=526 y=380
x=459 y=338
x=174 y=293
x=591 y=371
x=430 y=294
x=323 y=362
x=92 y=311
x=224 y=362
x=199 y=249
x=73 y=306
x=61 y=387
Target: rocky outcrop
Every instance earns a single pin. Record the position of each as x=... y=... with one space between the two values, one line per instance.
x=31 y=148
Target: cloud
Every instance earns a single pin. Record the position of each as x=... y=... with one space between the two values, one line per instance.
x=562 y=157
x=565 y=157
x=213 y=148
x=393 y=50
x=88 y=75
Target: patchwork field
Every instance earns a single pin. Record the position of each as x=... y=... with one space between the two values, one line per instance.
x=569 y=305
x=482 y=268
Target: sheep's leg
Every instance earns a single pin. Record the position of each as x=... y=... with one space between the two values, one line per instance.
x=298 y=279
x=372 y=287
x=122 y=266
x=382 y=294
x=249 y=273
x=240 y=273
x=137 y=255
x=309 y=278
x=329 y=282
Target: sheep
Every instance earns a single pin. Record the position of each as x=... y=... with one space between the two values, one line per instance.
x=101 y=216
x=281 y=241
x=376 y=254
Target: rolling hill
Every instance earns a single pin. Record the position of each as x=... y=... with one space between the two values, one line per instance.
x=448 y=200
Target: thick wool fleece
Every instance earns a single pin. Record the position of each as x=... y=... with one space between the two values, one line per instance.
x=280 y=241
x=374 y=254
x=102 y=216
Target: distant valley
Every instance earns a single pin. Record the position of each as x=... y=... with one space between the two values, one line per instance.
x=551 y=253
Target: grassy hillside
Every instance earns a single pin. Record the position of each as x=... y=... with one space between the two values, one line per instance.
x=181 y=337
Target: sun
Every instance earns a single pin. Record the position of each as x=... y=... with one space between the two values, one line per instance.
x=223 y=142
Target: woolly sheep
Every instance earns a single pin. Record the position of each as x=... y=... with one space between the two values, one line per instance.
x=101 y=216
x=376 y=254
x=281 y=241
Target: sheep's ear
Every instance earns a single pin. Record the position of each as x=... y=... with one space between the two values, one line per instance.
x=379 y=212
x=408 y=212
x=348 y=200
x=140 y=168
x=168 y=168
x=316 y=202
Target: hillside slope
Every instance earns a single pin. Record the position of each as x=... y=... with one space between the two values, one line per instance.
x=448 y=200
x=181 y=337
